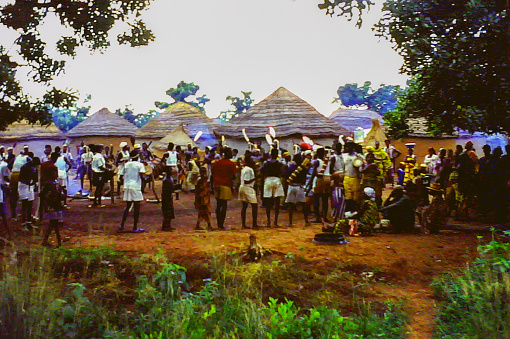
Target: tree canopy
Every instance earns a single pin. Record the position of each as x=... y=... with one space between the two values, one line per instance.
x=67 y=117
x=240 y=106
x=457 y=54
x=381 y=100
x=138 y=120
x=183 y=91
x=89 y=21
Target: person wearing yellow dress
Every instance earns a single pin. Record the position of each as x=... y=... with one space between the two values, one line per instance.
x=410 y=162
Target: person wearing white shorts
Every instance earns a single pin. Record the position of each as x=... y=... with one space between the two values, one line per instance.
x=132 y=172
x=247 y=194
x=296 y=190
x=273 y=188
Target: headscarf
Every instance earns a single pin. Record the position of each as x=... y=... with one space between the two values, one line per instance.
x=370 y=193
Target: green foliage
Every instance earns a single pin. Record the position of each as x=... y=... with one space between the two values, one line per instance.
x=67 y=118
x=240 y=106
x=90 y=23
x=138 y=120
x=474 y=302
x=47 y=294
x=381 y=100
x=347 y=8
x=181 y=93
x=457 y=55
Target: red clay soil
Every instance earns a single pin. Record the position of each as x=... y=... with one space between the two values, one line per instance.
x=407 y=262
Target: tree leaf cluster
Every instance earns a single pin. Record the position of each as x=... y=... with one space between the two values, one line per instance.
x=67 y=117
x=381 y=100
x=458 y=56
x=90 y=21
x=181 y=92
x=240 y=106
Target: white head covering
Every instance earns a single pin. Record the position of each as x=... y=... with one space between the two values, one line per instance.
x=123 y=144
x=370 y=192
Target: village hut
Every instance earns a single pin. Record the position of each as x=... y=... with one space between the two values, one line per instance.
x=178 y=137
x=376 y=133
x=19 y=134
x=352 y=119
x=289 y=115
x=423 y=140
x=103 y=127
x=419 y=135
x=180 y=113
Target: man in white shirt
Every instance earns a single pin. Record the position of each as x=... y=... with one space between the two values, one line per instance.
x=99 y=171
x=247 y=194
x=4 y=178
x=132 y=172
x=86 y=167
x=19 y=161
x=120 y=161
x=171 y=158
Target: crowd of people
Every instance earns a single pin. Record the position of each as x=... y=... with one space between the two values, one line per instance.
x=341 y=185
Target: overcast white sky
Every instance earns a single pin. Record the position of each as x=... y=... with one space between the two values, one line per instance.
x=229 y=46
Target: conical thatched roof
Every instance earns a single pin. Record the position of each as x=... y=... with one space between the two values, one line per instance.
x=375 y=134
x=103 y=123
x=23 y=130
x=178 y=136
x=180 y=113
x=288 y=114
x=354 y=118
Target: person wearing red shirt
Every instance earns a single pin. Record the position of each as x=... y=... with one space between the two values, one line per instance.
x=223 y=171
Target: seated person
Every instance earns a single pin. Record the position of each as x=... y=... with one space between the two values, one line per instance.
x=362 y=221
x=417 y=192
x=399 y=209
x=435 y=215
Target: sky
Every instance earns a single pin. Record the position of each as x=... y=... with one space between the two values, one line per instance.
x=229 y=46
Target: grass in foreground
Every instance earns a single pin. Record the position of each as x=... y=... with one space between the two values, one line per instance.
x=476 y=302
x=99 y=293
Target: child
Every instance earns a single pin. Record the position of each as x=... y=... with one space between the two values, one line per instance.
x=167 y=202
x=203 y=199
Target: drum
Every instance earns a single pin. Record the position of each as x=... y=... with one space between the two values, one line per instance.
x=357 y=162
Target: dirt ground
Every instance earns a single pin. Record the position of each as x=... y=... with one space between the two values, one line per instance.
x=408 y=263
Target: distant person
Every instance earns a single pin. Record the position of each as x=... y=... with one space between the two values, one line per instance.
x=26 y=189
x=399 y=209
x=4 y=186
x=247 y=193
x=99 y=174
x=167 y=201
x=52 y=196
x=19 y=161
x=393 y=153
x=86 y=167
x=296 y=190
x=223 y=171
x=133 y=196
x=203 y=199
x=273 y=188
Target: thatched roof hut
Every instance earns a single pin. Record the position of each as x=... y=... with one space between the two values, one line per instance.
x=376 y=133
x=35 y=137
x=180 y=113
x=178 y=137
x=103 y=127
x=290 y=116
x=354 y=118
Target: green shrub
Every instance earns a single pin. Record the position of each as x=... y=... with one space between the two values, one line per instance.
x=476 y=302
